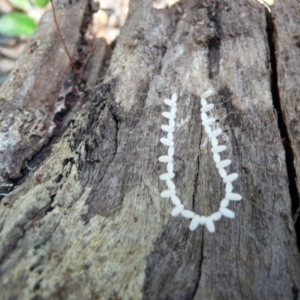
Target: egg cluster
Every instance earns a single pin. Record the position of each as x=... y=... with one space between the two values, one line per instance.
x=209 y=124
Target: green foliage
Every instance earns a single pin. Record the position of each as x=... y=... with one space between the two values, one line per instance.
x=41 y=3
x=24 y=5
x=17 y=24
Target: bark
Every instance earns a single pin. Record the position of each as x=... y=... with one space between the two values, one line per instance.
x=89 y=222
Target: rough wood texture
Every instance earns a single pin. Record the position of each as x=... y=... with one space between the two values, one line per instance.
x=30 y=98
x=90 y=224
x=286 y=43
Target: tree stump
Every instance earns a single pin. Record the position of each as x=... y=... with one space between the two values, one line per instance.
x=86 y=220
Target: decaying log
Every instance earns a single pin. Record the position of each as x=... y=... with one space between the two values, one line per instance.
x=36 y=90
x=89 y=222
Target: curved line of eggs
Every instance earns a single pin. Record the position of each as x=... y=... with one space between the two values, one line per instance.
x=168 y=141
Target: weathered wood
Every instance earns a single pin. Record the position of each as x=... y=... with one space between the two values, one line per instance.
x=286 y=39
x=30 y=99
x=90 y=224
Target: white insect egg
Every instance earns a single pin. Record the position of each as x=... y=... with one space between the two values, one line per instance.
x=216 y=157
x=224 y=202
x=170 y=136
x=165 y=158
x=215 y=133
x=167 y=193
x=223 y=164
x=171 y=151
x=269 y=2
x=202 y=220
x=216 y=216
x=171 y=185
x=167 y=142
x=231 y=177
x=169 y=102
x=228 y=187
x=172 y=123
x=219 y=148
x=207 y=108
x=207 y=94
x=203 y=102
x=167 y=176
x=227 y=212
x=214 y=142
x=170 y=167
x=175 y=200
x=167 y=128
x=173 y=110
x=233 y=196
x=210 y=224
x=168 y=115
x=204 y=116
x=195 y=222
x=207 y=129
x=177 y=210
x=222 y=172
x=209 y=121
x=187 y=214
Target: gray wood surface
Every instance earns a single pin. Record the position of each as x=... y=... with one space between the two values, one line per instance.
x=89 y=222
x=35 y=91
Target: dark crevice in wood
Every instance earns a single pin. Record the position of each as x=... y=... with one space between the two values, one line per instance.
x=117 y=124
x=197 y=175
x=291 y=171
x=196 y=181
x=48 y=208
x=36 y=161
x=295 y=292
x=6 y=188
x=31 y=165
x=86 y=46
x=214 y=44
x=71 y=100
x=214 y=57
x=200 y=266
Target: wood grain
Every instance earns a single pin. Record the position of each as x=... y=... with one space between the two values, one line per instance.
x=31 y=97
x=90 y=222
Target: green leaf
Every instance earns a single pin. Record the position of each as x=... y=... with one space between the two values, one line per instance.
x=41 y=3
x=16 y=24
x=21 y=4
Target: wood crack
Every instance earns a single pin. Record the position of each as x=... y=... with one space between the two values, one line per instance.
x=214 y=44
x=197 y=174
x=194 y=296
x=286 y=139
